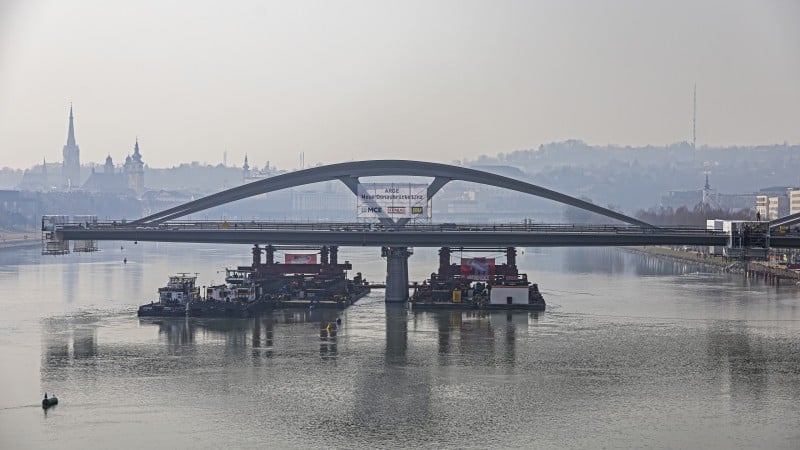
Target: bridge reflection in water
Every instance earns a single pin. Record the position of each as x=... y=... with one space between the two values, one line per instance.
x=67 y=340
x=419 y=376
x=717 y=361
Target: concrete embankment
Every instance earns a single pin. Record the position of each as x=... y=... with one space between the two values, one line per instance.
x=15 y=244
x=10 y=240
x=769 y=272
x=716 y=263
x=772 y=273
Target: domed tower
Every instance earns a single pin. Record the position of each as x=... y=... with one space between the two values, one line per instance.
x=108 y=167
x=135 y=171
x=71 y=166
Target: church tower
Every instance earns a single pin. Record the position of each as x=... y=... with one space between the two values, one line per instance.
x=245 y=170
x=134 y=170
x=71 y=166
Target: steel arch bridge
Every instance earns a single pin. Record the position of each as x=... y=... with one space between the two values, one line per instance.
x=350 y=172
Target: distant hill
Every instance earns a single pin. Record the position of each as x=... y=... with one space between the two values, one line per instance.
x=636 y=177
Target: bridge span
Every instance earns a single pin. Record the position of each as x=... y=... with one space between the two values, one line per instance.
x=411 y=235
x=397 y=234
x=396 y=242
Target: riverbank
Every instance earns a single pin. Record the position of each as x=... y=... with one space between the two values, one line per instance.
x=715 y=263
x=18 y=239
x=771 y=272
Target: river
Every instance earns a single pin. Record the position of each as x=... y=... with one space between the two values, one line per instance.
x=632 y=352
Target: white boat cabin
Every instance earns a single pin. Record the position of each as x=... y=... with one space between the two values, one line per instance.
x=180 y=289
x=225 y=293
x=509 y=295
x=237 y=287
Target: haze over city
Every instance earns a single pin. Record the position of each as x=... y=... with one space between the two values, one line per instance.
x=587 y=236
x=436 y=81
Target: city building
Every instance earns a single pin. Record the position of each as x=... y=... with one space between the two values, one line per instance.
x=333 y=202
x=709 y=198
x=778 y=207
x=794 y=201
x=108 y=180
x=776 y=202
x=245 y=170
x=134 y=171
x=735 y=202
x=762 y=206
x=128 y=181
x=44 y=177
x=250 y=174
x=71 y=165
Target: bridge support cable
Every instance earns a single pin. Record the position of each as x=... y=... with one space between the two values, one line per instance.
x=353 y=170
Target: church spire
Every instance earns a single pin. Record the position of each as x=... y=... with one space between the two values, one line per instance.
x=71 y=134
x=245 y=169
x=71 y=165
x=136 y=155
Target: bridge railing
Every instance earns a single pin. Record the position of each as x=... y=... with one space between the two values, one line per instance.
x=370 y=227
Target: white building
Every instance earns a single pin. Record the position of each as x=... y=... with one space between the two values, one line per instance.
x=715 y=225
x=778 y=207
x=794 y=201
x=762 y=206
x=777 y=202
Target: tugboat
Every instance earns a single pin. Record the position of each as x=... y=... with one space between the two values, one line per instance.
x=174 y=298
x=230 y=299
x=477 y=283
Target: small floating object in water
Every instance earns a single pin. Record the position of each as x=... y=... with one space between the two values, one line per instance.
x=49 y=401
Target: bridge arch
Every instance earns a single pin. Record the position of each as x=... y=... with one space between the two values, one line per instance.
x=349 y=172
x=789 y=220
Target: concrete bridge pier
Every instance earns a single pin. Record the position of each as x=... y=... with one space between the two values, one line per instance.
x=396 y=273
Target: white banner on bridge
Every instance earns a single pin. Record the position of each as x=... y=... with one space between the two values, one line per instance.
x=393 y=200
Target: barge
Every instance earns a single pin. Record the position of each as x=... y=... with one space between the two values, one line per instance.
x=300 y=282
x=477 y=283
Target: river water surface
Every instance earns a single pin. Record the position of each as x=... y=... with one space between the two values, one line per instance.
x=633 y=352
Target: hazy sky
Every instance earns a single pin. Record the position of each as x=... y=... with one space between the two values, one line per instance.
x=428 y=80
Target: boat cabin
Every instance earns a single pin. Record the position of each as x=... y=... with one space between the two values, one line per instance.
x=509 y=295
x=180 y=289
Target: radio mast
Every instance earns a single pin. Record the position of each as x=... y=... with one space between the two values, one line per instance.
x=694 y=118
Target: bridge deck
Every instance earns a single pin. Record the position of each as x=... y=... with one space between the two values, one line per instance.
x=418 y=235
